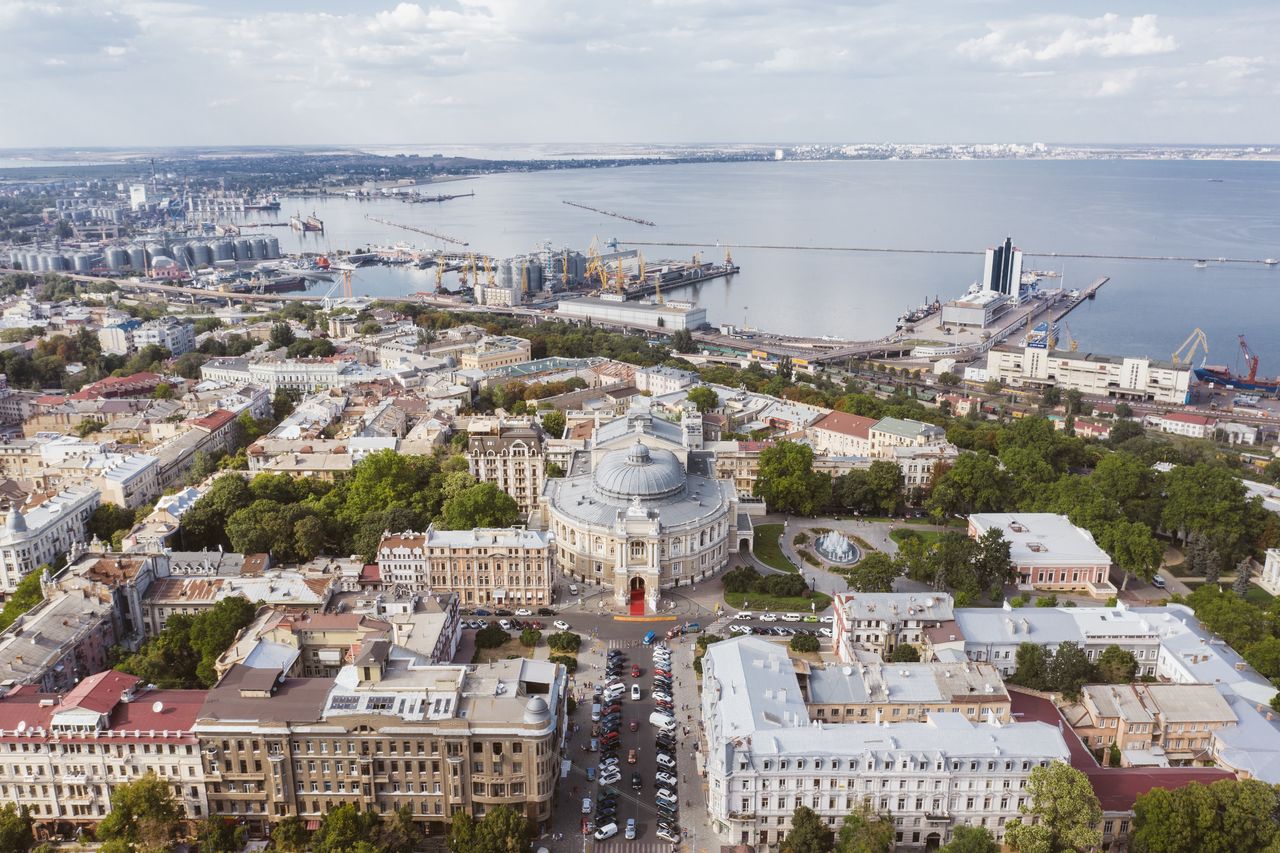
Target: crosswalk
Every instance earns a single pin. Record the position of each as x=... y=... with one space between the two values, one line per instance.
x=646 y=842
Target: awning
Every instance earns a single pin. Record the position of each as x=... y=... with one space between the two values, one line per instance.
x=313 y=825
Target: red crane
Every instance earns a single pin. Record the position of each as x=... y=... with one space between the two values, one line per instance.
x=1250 y=358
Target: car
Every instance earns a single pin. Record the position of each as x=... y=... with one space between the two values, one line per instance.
x=666 y=794
x=561 y=625
x=536 y=625
x=523 y=611
x=665 y=779
x=503 y=613
x=662 y=673
x=669 y=800
x=668 y=811
x=635 y=692
x=662 y=680
x=790 y=617
x=663 y=661
x=662 y=686
x=659 y=696
x=573 y=589
x=826 y=618
x=668 y=835
x=609 y=737
x=665 y=705
x=809 y=617
x=506 y=626
x=739 y=629
x=630 y=833
x=591 y=774
x=586 y=805
x=744 y=614
x=637 y=781
x=1158 y=582
x=783 y=631
x=606 y=763
x=635 y=670
x=692 y=628
x=664 y=746
x=824 y=632
x=610 y=778
x=634 y=725
x=546 y=611
x=631 y=757
x=609 y=830
x=480 y=611
x=606 y=816
x=666 y=760
x=768 y=617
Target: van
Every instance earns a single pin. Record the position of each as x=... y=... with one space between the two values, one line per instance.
x=573 y=589
x=595 y=712
x=1157 y=582
x=609 y=830
x=650 y=637
x=657 y=718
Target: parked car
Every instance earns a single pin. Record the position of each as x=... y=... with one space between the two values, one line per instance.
x=665 y=779
x=586 y=805
x=630 y=834
x=561 y=625
x=546 y=611
x=637 y=781
x=768 y=617
x=745 y=614
x=524 y=611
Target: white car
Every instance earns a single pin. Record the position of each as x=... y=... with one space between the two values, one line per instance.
x=666 y=760
x=610 y=778
x=630 y=834
x=824 y=632
x=745 y=614
x=768 y=617
x=635 y=692
x=561 y=625
x=660 y=696
x=609 y=830
x=506 y=625
x=586 y=805
x=665 y=779
x=827 y=619
x=739 y=629
x=790 y=617
x=524 y=611
x=668 y=835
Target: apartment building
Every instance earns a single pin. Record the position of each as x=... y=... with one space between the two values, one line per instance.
x=1187 y=424
x=660 y=380
x=62 y=755
x=194 y=591
x=485 y=565
x=1152 y=724
x=177 y=336
x=38 y=533
x=306 y=645
x=766 y=755
x=495 y=351
x=872 y=691
x=1049 y=552
x=888 y=433
x=841 y=434
x=919 y=465
x=1121 y=377
x=508 y=452
x=879 y=622
x=388 y=731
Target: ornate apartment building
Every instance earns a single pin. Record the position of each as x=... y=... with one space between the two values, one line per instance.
x=486 y=565
x=508 y=452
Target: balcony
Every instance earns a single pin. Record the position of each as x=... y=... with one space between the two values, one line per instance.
x=937 y=817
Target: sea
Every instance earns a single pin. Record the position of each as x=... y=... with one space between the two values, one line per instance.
x=1051 y=208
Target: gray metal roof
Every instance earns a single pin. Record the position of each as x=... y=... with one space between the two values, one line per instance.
x=639 y=472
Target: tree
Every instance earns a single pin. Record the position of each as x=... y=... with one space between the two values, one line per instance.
x=1206 y=499
x=948 y=379
x=402 y=834
x=25 y=596
x=1117 y=666
x=282 y=403
x=143 y=816
x=16 y=828
x=787 y=482
x=971 y=839
x=462 y=832
x=1073 y=398
x=481 y=505
x=975 y=483
x=804 y=643
x=993 y=565
x=808 y=834
x=529 y=637
x=682 y=341
x=281 y=335
x=1124 y=410
x=217 y=836
x=564 y=641
x=107 y=519
x=1062 y=815
x=308 y=538
x=1031 y=666
x=501 y=830
x=1264 y=656
x=864 y=831
x=1133 y=549
x=704 y=397
x=883 y=486
x=1125 y=431
x=290 y=835
x=163 y=391
x=904 y=653
x=875 y=572
x=1227 y=815
x=343 y=828
x=1050 y=396
x=991 y=386
x=1070 y=669
x=1243 y=571
x=89 y=426
x=553 y=423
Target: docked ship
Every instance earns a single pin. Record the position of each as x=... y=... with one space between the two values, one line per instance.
x=918 y=314
x=272 y=203
x=1220 y=374
x=298 y=223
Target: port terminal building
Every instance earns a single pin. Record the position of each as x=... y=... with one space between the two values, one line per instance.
x=976 y=310
x=1121 y=377
x=647 y=316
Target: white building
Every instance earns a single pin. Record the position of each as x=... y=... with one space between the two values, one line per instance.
x=130 y=481
x=888 y=433
x=1188 y=424
x=509 y=565
x=879 y=622
x=1270 y=578
x=43 y=532
x=765 y=757
x=1049 y=552
x=978 y=310
x=649 y=316
x=841 y=434
x=177 y=336
x=1121 y=377
x=659 y=380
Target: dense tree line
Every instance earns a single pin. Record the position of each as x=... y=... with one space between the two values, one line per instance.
x=183 y=654
x=1068 y=669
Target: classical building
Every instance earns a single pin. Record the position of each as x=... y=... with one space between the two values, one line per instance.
x=510 y=566
x=841 y=434
x=508 y=453
x=495 y=351
x=879 y=622
x=1152 y=724
x=388 y=731
x=766 y=755
x=638 y=520
x=888 y=433
x=68 y=752
x=38 y=534
x=1049 y=552
x=872 y=691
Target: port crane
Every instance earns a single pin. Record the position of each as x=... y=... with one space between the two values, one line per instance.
x=1196 y=340
x=1249 y=358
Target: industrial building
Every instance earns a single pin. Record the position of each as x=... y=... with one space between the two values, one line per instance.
x=975 y=310
x=647 y=316
x=1122 y=377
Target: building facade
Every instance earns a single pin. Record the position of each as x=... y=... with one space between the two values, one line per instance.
x=888 y=433
x=879 y=622
x=42 y=532
x=509 y=566
x=509 y=454
x=1120 y=377
x=1049 y=552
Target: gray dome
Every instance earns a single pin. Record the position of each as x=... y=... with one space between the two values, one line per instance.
x=639 y=472
x=536 y=710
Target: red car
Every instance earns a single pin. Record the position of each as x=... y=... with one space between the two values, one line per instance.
x=635 y=671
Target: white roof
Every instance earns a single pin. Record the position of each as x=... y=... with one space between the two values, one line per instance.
x=1043 y=539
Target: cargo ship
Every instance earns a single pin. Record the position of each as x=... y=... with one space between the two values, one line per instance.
x=1251 y=381
x=310 y=223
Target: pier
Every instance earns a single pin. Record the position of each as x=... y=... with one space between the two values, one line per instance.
x=444 y=238
x=418 y=198
x=634 y=219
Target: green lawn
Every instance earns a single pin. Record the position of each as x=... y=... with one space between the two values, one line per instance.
x=1259 y=596
x=777 y=603
x=768 y=547
x=929 y=536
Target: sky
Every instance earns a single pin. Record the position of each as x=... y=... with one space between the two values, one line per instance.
x=78 y=73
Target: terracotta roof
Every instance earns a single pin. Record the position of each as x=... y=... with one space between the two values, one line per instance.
x=1187 y=418
x=371 y=573
x=99 y=693
x=215 y=420
x=847 y=424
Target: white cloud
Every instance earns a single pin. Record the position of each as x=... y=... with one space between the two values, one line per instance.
x=1120 y=83
x=1051 y=38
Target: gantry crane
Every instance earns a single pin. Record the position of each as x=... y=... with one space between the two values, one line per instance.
x=488 y=272
x=1186 y=352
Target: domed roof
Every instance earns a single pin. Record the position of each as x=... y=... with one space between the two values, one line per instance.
x=639 y=472
x=536 y=710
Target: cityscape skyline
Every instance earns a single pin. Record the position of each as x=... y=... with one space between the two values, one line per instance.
x=482 y=71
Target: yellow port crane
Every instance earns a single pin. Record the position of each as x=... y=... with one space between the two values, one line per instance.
x=1196 y=340
x=439 y=270
x=488 y=272
x=564 y=270
x=728 y=257
x=619 y=283
x=471 y=269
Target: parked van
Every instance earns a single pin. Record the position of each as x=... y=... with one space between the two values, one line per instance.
x=609 y=830
x=650 y=637
x=595 y=712
x=657 y=718
x=573 y=589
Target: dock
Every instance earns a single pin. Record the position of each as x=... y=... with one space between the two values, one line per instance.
x=444 y=238
x=634 y=219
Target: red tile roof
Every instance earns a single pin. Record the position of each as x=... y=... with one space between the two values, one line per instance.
x=371 y=573
x=847 y=424
x=99 y=693
x=1188 y=418
x=215 y=420
x=1116 y=787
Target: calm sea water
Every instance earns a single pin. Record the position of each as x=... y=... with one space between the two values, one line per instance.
x=1196 y=209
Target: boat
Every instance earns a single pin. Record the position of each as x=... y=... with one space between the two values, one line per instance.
x=1249 y=382
x=310 y=223
x=1271 y=262
x=1200 y=265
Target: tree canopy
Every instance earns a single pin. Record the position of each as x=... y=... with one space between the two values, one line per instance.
x=1227 y=816
x=1062 y=814
x=787 y=481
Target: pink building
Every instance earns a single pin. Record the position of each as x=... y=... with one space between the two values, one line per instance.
x=1049 y=552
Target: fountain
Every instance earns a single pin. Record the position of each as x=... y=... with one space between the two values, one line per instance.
x=836 y=547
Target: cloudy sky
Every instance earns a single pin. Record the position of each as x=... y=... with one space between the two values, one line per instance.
x=144 y=72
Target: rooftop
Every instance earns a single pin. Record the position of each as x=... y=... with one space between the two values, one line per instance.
x=1043 y=539
x=846 y=424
